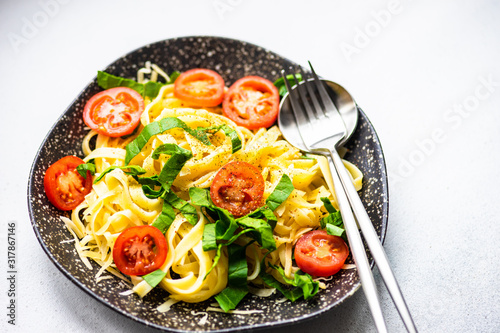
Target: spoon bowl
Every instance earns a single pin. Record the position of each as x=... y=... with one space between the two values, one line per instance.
x=342 y=99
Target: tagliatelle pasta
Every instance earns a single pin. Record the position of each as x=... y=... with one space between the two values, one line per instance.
x=192 y=274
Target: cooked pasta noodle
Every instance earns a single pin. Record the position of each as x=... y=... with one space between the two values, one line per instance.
x=118 y=202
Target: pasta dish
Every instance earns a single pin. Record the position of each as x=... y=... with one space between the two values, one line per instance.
x=231 y=200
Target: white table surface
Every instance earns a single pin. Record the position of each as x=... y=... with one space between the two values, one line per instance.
x=426 y=73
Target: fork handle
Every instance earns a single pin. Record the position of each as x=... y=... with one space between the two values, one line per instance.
x=358 y=252
x=373 y=243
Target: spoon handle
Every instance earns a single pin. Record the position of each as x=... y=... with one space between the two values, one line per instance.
x=373 y=242
x=358 y=250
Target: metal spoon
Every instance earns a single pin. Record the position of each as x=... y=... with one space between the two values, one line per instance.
x=343 y=100
x=317 y=127
x=347 y=109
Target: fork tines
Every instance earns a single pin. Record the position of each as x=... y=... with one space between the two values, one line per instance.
x=316 y=108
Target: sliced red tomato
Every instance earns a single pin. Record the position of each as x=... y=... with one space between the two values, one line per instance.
x=320 y=254
x=140 y=250
x=200 y=87
x=238 y=187
x=64 y=186
x=114 y=112
x=252 y=102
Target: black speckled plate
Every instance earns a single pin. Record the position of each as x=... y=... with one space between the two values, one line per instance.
x=233 y=59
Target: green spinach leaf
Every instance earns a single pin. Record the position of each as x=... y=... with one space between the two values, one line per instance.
x=158 y=127
x=237 y=287
x=281 y=192
x=166 y=217
x=154 y=277
x=231 y=133
x=261 y=231
x=178 y=157
x=280 y=83
x=187 y=210
x=132 y=170
x=149 y=89
x=333 y=221
x=83 y=168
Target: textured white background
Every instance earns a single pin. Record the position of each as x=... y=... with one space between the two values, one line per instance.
x=416 y=71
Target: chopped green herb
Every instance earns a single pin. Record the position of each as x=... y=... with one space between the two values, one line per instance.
x=328 y=205
x=209 y=240
x=178 y=157
x=280 y=83
x=174 y=76
x=166 y=217
x=83 y=168
x=237 y=287
x=238 y=266
x=148 y=186
x=262 y=231
x=187 y=210
x=229 y=298
x=303 y=284
x=333 y=230
x=281 y=192
x=226 y=225
x=291 y=294
x=149 y=89
x=200 y=197
x=306 y=157
x=132 y=170
x=233 y=135
x=265 y=213
x=154 y=277
x=158 y=127
x=333 y=221
x=224 y=231
x=107 y=81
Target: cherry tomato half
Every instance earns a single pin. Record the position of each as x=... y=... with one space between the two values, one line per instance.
x=320 y=254
x=114 y=112
x=140 y=250
x=252 y=102
x=64 y=186
x=238 y=187
x=200 y=87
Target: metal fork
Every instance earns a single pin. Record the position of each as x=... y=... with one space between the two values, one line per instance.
x=321 y=129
